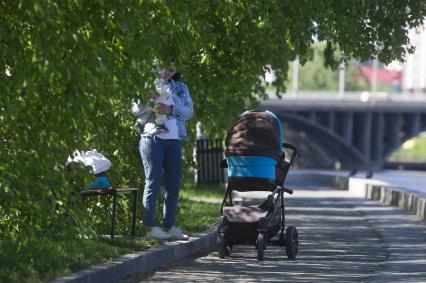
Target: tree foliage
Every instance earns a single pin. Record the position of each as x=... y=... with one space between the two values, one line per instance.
x=68 y=70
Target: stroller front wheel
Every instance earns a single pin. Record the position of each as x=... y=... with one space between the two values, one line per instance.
x=223 y=245
x=291 y=242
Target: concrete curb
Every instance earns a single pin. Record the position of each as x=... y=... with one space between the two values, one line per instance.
x=131 y=264
x=395 y=196
x=386 y=193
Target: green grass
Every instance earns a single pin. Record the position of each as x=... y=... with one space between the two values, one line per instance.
x=195 y=217
x=191 y=190
x=40 y=259
x=413 y=150
x=43 y=259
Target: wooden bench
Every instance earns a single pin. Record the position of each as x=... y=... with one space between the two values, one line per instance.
x=114 y=193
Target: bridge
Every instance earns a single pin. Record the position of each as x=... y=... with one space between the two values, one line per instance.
x=357 y=130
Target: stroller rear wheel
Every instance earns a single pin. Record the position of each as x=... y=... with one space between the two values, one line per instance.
x=282 y=239
x=261 y=245
x=291 y=242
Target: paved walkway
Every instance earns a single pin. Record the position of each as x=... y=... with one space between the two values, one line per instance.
x=343 y=239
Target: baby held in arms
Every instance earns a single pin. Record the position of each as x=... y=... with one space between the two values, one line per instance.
x=147 y=120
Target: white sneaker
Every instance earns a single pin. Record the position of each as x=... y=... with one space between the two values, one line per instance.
x=157 y=233
x=177 y=234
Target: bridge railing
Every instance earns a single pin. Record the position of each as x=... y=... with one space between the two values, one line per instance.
x=364 y=96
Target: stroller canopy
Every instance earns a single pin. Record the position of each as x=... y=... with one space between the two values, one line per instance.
x=255 y=134
x=253 y=151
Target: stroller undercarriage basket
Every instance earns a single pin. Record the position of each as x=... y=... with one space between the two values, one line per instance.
x=256 y=162
x=246 y=221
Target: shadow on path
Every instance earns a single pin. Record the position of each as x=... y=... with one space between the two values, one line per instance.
x=342 y=239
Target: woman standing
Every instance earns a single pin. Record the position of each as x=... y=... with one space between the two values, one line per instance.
x=162 y=157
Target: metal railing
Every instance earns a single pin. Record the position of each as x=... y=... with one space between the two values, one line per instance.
x=209 y=154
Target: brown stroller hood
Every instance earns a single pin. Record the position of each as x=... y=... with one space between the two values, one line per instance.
x=255 y=134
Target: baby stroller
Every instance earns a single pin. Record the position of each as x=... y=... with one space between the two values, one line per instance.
x=256 y=162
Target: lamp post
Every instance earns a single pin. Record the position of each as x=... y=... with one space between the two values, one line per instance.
x=295 y=77
x=374 y=67
x=342 y=76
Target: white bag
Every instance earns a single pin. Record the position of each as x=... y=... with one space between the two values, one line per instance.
x=96 y=160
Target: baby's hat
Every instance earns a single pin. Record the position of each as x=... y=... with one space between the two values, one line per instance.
x=165 y=74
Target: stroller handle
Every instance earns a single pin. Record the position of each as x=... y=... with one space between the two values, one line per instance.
x=292 y=147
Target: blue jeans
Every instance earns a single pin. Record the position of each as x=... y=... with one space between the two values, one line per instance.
x=161 y=156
